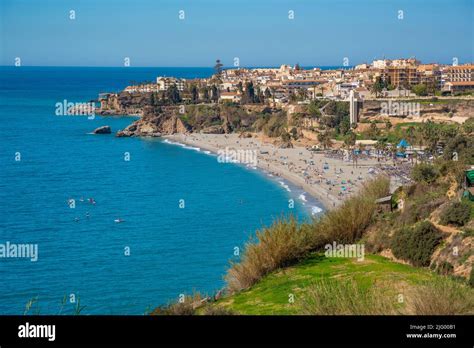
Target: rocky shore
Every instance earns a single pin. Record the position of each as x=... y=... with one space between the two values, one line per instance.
x=155 y=125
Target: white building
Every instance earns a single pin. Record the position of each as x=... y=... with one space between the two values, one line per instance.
x=230 y=96
x=353 y=108
x=166 y=82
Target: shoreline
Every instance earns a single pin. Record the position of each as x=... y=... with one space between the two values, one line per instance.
x=305 y=169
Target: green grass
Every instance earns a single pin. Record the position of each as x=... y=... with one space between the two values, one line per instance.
x=272 y=293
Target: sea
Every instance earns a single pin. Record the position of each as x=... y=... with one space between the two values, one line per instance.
x=119 y=225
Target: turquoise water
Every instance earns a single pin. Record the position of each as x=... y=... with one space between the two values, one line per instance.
x=82 y=250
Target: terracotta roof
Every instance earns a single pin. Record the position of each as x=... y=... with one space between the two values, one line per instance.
x=461 y=83
x=461 y=67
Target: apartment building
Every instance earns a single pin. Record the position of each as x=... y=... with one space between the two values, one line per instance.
x=459 y=73
x=166 y=82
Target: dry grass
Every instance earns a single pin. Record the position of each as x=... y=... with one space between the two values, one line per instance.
x=217 y=310
x=277 y=246
x=347 y=297
x=346 y=224
x=286 y=242
x=442 y=296
x=185 y=307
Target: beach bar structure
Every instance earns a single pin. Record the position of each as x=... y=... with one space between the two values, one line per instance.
x=384 y=204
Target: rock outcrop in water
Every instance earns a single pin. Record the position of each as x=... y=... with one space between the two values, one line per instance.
x=103 y=130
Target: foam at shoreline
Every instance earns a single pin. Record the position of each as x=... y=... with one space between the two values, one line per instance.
x=313 y=208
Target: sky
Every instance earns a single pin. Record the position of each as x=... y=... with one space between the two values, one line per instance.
x=257 y=32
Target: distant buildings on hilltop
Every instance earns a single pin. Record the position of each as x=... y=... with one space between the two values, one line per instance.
x=382 y=77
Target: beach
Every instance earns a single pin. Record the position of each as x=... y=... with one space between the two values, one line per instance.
x=327 y=177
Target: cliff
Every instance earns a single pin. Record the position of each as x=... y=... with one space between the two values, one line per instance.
x=155 y=124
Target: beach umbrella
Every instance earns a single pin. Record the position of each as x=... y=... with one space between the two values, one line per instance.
x=403 y=143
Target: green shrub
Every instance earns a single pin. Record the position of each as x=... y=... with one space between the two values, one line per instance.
x=457 y=213
x=468 y=232
x=286 y=242
x=425 y=172
x=279 y=245
x=445 y=268
x=416 y=244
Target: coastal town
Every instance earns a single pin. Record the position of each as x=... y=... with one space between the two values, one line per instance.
x=325 y=130
x=278 y=86
x=168 y=164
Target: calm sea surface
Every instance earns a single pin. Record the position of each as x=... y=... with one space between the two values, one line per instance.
x=160 y=250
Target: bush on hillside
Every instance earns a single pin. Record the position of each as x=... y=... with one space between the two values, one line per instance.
x=279 y=245
x=416 y=244
x=471 y=278
x=425 y=172
x=217 y=310
x=445 y=268
x=187 y=306
x=286 y=242
x=457 y=213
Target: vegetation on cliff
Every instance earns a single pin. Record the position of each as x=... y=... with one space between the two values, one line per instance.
x=283 y=269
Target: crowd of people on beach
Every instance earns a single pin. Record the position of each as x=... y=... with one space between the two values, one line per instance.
x=334 y=174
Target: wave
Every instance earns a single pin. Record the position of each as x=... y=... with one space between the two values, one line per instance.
x=315 y=210
x=184 y=146
x=282 y=183
x=303 y=197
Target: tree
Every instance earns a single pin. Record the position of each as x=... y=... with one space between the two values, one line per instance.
x=172 y=93
x=205 y=94
x=345 y=126
x=425 y=172
x=259 y=98
x=218 y=68
x=378 y=86
x=194 y=94
x=240 y=87
x=267 y=93
x=420 y=90
x=381 y=147
x=373 y=131
x=249 y=95
x=411 y=134
x=325 y=140
x=214 y=93
x=350 y=139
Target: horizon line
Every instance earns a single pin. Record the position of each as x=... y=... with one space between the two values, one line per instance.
x=169 y=66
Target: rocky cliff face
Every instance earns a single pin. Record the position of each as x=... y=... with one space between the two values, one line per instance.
x=155 y=125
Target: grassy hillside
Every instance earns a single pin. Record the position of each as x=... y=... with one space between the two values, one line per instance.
x=272 y=294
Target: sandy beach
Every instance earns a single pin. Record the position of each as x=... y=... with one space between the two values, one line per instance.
x=327 y=177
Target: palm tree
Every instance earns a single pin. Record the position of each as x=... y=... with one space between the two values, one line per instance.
x=325 y=140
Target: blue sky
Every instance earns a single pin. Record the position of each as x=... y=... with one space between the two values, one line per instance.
x=258 y=32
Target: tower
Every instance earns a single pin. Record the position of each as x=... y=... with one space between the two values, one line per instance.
x=353 y=108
